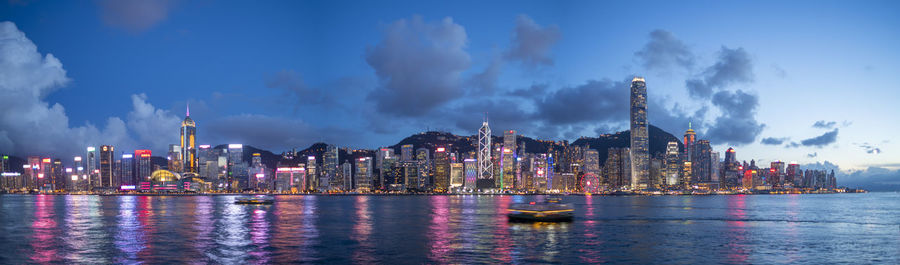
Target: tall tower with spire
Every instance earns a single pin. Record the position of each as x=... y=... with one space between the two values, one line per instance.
x=689 y=137
x=485 y=166
x=188 y=142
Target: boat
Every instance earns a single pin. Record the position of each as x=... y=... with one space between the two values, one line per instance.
x=550 y=210
x=254 y=200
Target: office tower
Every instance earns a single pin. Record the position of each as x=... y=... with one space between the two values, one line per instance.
x=257 y=173
x=776 y=174
x=106 y=166
x=471 y=173
x=174 y=158
x=592 y=164
x=91 y=167
x=207 y=162
x=364 y=174
x=457 y=175
x=126 y=171
x=485 y=165
x=508 y=159
x=347 y=176
x=618 y=168
x=673 y=163
x=657 y=172
x=290 y=178
x=406 y=152
x=687 y=175
x=80 y=183
x=236 y=168
x=423 y=161
x=312 y=173
x=689 y=137
x=143 y=165
x=541 y=172
x=732 y=177
x=701 y=162
x=31 y=172
x=792 y=175
x=640 y=140
x=441 y=169
x=188 y=141
x=58 y=175
x=44 y=177
x=715 y=169
x=330 y=160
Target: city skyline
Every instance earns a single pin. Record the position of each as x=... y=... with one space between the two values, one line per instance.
x=279 y=104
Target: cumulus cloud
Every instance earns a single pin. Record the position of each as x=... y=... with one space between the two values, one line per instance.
x=531 y=42
x=664 y=51
x=774 y=141
x=135 y=15
x=821 y=140
x=675 y=119
x=154 y=127
x=418 y=65
x=733 y=66
x=737 y=124
x=824 y=124
x=29 y=125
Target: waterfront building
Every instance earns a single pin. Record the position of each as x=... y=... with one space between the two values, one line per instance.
x=364 y=174
x=126 y=170
x=174 y=158
x=144 y=166
x=207 y=162
x=471 y=173
x=456 y=176
x=673 y=164
x=423 y=162
x=617 y=169
x=347 y=176
x=508 y=160
x=640 y=140
x=106 y=166
x=776 y=174
x=792 y=175
x=689 y=137
x=91 y=167
x=701 y=163
x=591 y=165
x=312 y=173
x=441 y=170
x=258 y=177
x=236 y=169
x=188 y=143
x=330 y=160
x=485 y=164
x=58 y=175
x=541 y=174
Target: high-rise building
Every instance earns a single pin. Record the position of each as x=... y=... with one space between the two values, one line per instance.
x=776 y=174
x=106 y=166
x=364 y=174
x=689 y=137
x=312 y=173
x=471 y=173
x=330 y=160
x=673 y=164
x=258 y=179
x=143 y=165
x=207 y=162
x=441 y=169
x=347 y=176
x=618 y=168
x=423 y=162
x=542 y=172
x=485 y=165
x=640 y=140
x=91 y=167
x=456 y=175
x=81 y=183
x=58 y=175
x=406 y=152
x=701 y=162
x=236 y=169
x=592 y=165
x=174 y=158
x=126 y=171
x=188 y=143
x=792 y=175
x=508 y=160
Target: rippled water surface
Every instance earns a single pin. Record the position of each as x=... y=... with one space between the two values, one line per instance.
x=762 y=229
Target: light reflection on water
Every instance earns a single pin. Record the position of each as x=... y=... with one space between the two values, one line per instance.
x=448 y=230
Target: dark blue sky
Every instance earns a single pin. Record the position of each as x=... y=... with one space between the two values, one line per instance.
x=809 y=81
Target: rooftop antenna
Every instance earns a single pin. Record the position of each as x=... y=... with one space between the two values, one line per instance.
x=188 y=112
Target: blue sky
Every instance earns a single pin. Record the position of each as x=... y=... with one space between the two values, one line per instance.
x=284 y=74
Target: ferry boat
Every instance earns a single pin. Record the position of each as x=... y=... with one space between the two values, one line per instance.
x=254 y=200
x=550 y=210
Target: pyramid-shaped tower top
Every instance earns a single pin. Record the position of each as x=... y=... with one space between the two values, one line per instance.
x=187 y=118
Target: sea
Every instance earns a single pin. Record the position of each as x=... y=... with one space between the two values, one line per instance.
x=454 y=229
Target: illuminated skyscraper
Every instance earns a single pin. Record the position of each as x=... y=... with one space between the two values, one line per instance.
x=126 y=171
x=91 y=167
x=673 y=164
x=592 y=165
x=406 y=152
x=485 y=165
x=237 y=170
x=508 y=157
x=689 y=137
x=640 y=140
x=106 y=166
x=471 y=173
x=364 y=174
x=143 y=165
x=188 y=143
x=441 y=169
x=330 y=180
